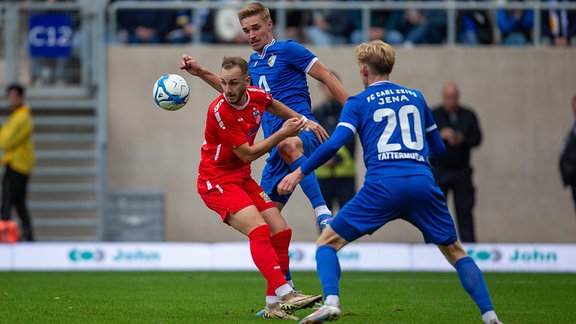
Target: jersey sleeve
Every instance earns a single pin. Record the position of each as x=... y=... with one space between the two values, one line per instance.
x=261 y=96
x=429 y=121
x=350 y=116
x=435 y=143
x=327 y=150
x=299 y=56
x=346 y=128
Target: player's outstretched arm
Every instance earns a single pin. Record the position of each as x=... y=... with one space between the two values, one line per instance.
x=281 y=110
x=321 y=73
x=190 y=65
x=322 y=154
x=249 y=153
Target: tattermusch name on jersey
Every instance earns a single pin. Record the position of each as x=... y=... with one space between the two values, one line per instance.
x=400 y=156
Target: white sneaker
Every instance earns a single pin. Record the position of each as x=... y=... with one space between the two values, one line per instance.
x=323 y=314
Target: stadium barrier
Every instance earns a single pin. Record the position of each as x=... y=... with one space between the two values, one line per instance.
x=235 y=256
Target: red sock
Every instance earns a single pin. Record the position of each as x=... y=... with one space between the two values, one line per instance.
x=265 y=258
x=281 y=244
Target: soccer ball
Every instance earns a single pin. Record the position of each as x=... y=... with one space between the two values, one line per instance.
x=171 y=92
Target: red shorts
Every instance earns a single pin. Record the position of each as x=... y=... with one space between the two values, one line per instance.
x=233 y=196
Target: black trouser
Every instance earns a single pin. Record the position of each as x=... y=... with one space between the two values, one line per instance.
x=459 y=181
x=574 y=195
x=337 y=189
x=14 y=189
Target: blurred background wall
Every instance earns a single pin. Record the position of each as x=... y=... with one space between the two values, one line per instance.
x=521 y=96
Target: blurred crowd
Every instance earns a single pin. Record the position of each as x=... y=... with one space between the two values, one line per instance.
x=327 y=27
x=319 y=26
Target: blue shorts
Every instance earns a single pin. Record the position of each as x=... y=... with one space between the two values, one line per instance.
x=416 y=199
x=276 y=169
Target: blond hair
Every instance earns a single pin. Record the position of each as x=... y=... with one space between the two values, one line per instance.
x=377 y=55
x=254 y=8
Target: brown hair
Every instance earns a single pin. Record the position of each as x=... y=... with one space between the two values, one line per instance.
x=377 y=55
x=232 y=61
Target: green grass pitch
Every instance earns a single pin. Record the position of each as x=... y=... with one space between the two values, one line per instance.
x=234 y=297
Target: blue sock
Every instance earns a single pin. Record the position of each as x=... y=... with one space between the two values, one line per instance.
x=309 y=184
x=328 y=268
x=473 y=282
x=288 y=276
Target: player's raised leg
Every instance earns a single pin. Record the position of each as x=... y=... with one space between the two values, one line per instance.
x=291 y=150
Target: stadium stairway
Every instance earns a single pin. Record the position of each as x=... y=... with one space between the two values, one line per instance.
x=64 y=186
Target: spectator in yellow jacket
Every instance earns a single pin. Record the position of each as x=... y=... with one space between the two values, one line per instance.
x=18 y=159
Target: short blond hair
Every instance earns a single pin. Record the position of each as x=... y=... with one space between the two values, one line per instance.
x=377 y=55
x=254 y=8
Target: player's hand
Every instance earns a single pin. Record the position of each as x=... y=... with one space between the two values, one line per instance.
x=293 y=126
x=289 y=182
x=190 y=65
x=320 y=132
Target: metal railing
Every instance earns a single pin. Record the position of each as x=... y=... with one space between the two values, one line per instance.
x=450 y=7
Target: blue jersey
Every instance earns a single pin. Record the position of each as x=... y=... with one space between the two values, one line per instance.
x=397 y=132
x=281 y=70
x=395 y=126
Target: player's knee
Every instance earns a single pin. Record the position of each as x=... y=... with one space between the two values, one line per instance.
x=453 y=252
x=331 y=238
x=290 y=149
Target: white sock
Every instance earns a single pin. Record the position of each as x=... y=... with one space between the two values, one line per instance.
x=291 y=284
x=488 y=316
x=322 y=210
x=332 y=300
x=283 y=290
x=272 y=299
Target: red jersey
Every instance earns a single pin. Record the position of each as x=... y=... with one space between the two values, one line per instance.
x=228 y=127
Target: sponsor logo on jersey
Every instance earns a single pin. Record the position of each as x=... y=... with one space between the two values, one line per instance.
x=265 y=197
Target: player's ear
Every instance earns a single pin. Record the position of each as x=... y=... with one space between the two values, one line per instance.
x=364 y=70
x=248 y=80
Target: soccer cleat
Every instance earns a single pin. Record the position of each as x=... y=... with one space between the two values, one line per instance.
x=296 y=300
x=275 y=311
x=322 y=221
x=495 y=321
x=260 y=313
x=326 y=313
